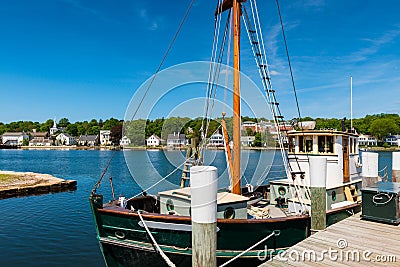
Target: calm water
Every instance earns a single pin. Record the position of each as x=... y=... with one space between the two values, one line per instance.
x=57 y=229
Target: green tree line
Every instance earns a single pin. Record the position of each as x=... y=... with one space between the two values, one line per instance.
x=378 y=125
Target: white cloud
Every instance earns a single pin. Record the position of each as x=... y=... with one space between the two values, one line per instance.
x=374 y=46
x=274 y=72
x=152 y=23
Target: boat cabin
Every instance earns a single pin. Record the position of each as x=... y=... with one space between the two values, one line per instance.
x=177 y=202
x=343 y=180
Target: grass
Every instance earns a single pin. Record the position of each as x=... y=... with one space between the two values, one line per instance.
x=8 y=178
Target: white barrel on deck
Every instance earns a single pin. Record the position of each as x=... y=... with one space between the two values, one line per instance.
x=369 y=164
x=203 y=189
x=317 y=171
x=396 y=167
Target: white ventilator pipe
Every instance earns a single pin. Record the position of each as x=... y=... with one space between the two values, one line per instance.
x=318 y=171
x=203 y=190
x=396 y=167
x=369 y=164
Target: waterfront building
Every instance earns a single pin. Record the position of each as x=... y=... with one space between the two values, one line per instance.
x=367 y=140
x=65 y=139
x=153 y=141
x=125 y=141
x=393 y=140
x=247 y=140
x=54 y=129
x=216 y=140
x=88 y=140
x=105 y=137
x=14 y=138
x=40 y=139
x=176 y=140
x=251 y=125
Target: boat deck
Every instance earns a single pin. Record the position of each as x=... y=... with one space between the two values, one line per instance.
x=351 y=242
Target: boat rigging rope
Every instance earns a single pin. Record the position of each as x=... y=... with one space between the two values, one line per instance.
x=292 y=79
x=217 y=26
x=274 y=233
x=169 y=174
x=288 y=58
x=163 y=59
x=213 y=78
x=163 y=255
x=216 y=74
x=177 y=168
x=262 y=63
x=97 y=185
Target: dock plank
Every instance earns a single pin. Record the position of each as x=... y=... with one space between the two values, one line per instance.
x=375 y=239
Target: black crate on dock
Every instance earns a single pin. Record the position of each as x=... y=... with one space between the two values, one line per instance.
x=380 y=202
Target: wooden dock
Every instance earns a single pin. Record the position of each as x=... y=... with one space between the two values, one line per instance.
x=351 y=242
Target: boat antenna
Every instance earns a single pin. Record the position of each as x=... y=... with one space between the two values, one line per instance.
x=351 y=103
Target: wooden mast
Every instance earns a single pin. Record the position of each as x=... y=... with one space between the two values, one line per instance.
x=236 y=11
x=236 y=98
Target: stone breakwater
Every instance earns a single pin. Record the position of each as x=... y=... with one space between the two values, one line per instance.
x=19 y=184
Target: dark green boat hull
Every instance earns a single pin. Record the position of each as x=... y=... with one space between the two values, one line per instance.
x=124 y=242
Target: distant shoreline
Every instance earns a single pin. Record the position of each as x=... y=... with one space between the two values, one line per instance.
x=369 y=149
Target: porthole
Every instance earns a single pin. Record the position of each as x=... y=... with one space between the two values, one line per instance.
x=282 y=191
x=229 y=213
x=333 y=195
x=170 y=205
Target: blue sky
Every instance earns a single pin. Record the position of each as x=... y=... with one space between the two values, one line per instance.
x=85 y=59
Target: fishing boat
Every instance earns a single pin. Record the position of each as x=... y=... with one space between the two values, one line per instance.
x=156 y=230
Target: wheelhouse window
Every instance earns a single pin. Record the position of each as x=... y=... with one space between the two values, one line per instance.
x=301 y=144
x=292 y=144
x=305 y=144
x=325 y=144
x=309 y=143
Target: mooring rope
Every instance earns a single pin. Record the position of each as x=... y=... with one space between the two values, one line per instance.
x=274 y=233
x=163 y=255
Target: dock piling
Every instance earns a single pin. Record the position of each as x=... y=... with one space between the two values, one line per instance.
x=204 y=182
x=318 y=193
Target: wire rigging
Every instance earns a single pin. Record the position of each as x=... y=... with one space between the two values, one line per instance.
x=164 y=58
x=97 y=185
x=288 y=57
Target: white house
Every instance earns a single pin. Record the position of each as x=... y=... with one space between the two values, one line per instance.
x=105 y=137
x=176 y=140
x=153 y=141
x=65 y=139
x=125 y=141
x=14 y=139
x=393 y=140
x=40 y=139
x=367 y=140
x=88 y=140
x=216 y=139
x=247 y=140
